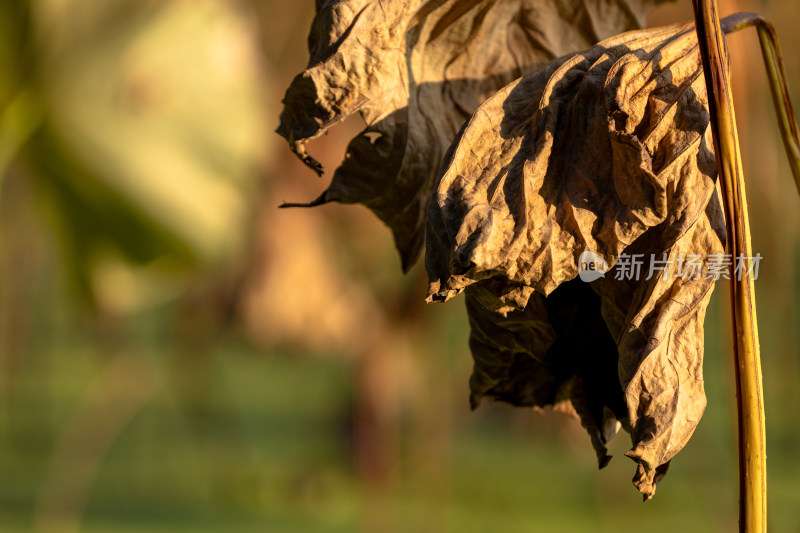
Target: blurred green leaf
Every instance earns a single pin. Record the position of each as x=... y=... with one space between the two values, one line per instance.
x=152 y=137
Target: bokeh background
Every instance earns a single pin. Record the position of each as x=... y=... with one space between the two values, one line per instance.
x=177 y=354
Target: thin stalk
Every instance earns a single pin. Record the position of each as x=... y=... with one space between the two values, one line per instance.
x=773 y=59
x=750 y=402
x=778 y=85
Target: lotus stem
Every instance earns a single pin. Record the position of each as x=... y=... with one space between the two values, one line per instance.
x=776 y=74
x=750 y=402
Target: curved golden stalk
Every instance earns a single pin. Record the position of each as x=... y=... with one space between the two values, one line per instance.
x=776 y=74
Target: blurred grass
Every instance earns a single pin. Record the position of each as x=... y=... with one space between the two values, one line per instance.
x=272 y=452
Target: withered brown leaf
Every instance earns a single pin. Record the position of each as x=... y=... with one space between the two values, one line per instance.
x=415 y=70
x=607 y=151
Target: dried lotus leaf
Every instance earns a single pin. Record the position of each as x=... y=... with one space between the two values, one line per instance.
x=415 y=70
x=609 y=151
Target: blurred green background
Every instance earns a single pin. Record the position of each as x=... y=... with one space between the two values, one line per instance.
x=176 y=354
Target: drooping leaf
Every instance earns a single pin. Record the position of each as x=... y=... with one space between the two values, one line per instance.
x=415 y=70
x=605 y=151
